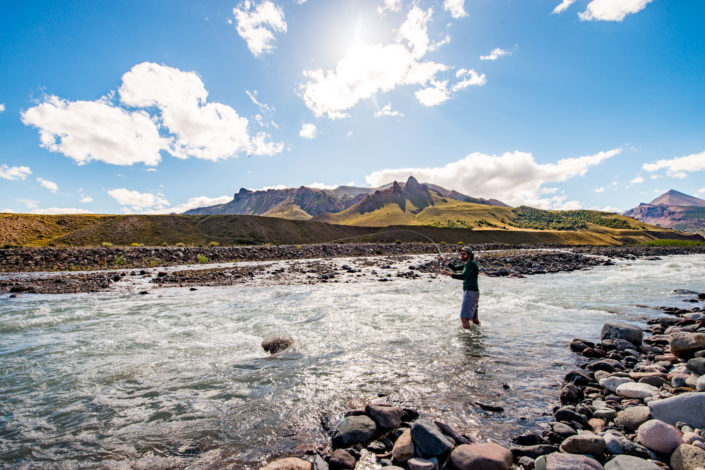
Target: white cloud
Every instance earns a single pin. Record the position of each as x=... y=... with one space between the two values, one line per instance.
x=701 y=190
x=321 y=186
x=655 y=177
x=387 y=111
x=308 y=131
x=433 y=95
x=563 y=6
x=257 y=25
x=469 y=78
x=612 y=10
x=415 y=31
x=369 y=69
x=349 y=134
x=50 y=185
x=14 y=173
x=263 y=106
x=678 y=167
x=96 y=130
x=513 y=177
x=600 y=189
x=29 y=203
x=495 y=54
x=455 y=7
x=60 y=211
x=611 y=209
x=267 y=188
x=2 y=107
x=637 y=179
x=86 y=199
x=210 y=131
x=138 y=201
x=389 y=5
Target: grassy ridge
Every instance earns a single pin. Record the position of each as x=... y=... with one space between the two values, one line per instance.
x=155 y=230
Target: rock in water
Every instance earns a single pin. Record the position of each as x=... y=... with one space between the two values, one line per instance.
x=616 y=330
x=275 y=344
x=428 y=439
x=388 y=417
x=353 y=430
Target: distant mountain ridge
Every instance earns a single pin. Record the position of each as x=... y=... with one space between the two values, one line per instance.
x=305 y=203
x=673 y=209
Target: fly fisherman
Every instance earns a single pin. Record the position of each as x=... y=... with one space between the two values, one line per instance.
x=471 y=293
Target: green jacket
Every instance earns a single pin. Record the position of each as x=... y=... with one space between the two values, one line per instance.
x=468 y=276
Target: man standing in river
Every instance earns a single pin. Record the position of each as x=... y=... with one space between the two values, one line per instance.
x=471 y=292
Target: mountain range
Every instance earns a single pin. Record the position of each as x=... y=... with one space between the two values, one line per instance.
x=674 y=210
x=306 y=203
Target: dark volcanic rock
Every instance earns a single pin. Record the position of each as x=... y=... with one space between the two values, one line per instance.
x=275 y=344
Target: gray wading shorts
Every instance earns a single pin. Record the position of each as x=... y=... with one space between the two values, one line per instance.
x=469 y=308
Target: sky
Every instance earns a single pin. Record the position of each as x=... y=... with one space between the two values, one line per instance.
x=162 y=106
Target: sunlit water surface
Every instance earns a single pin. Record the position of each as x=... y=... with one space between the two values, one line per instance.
x=120 y=380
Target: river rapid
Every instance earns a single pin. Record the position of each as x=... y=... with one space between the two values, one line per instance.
x=178 y=379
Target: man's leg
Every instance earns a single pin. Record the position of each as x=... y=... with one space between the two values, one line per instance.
x=465 y=322
x=476 y=300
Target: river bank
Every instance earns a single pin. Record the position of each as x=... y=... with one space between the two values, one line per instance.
x=44 y=271
x=635 y=401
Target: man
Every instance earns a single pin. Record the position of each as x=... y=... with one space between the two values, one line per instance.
x=471 y=292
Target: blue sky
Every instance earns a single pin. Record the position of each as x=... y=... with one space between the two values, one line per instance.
x=161 y=106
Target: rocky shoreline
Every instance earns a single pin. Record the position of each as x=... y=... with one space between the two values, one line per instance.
x=52 y=271
x=633 y=403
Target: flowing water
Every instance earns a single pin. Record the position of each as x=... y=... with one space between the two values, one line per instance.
x=178 y=378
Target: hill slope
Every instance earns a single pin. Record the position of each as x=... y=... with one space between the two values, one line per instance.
x=154 y=230
x=673 y=210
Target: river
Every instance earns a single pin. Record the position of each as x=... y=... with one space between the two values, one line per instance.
x=178 y=378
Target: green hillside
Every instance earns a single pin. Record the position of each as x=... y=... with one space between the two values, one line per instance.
x=484 y=224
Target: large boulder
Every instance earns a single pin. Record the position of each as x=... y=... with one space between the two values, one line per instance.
x=289 y=463
x=629 y=462
x=685 y=344
x=275 y=344
x=659 y=436
x=353 y=430
x=633 y=417
x=687 y=457
x=558 y=461
x=686 y=407
x=617 y=330
x=387 y=417
x=584 y=443
x=487 y=456
x=428 y=440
